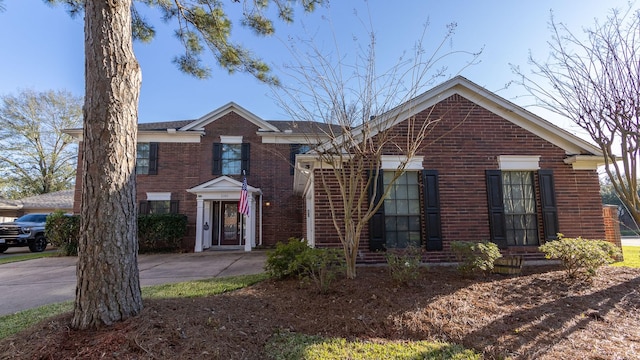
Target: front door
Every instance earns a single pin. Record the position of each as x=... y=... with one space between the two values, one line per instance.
x=230 y=224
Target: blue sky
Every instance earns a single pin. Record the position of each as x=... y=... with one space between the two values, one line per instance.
x=41 y=48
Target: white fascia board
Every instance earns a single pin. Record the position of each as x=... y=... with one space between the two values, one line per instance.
x=160 y=136
x=585 y=162
x=282 y=138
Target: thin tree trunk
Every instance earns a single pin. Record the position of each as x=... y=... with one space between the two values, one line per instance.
x=108 y=288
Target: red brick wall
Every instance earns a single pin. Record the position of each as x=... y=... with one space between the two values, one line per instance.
x=612 y=225
x=465 y=143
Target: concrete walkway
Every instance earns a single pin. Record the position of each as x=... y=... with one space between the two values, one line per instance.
x=29 y=284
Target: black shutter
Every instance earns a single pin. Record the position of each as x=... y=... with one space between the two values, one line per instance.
x=548 y=205
x=173 y=206
x=432 y=209
x=216 y=167
x=293 y=150
x=376 y=223
x=245 y=158
x=496 y=208
x=153 y=158
x=143 y=208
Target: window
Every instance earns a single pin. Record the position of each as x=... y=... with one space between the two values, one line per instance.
x=513 y=216
x=402 y=210
x=519 y=201
x=158 y=203
x=147 y=158
x=230 y=159
x=409 y=215
x=159 y=207
x=295 y=149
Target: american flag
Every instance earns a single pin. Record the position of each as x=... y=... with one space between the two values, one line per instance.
x=243 y=205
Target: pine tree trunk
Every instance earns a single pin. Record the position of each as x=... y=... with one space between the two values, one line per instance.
x=108 y=288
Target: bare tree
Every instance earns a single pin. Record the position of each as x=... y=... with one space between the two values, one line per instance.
x=595 y=82
x=357 y=112
x=37 y=157
x=108 y=287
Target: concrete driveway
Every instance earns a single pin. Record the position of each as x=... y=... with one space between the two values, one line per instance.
x=28 y=284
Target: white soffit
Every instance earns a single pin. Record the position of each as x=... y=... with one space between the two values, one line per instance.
x=584 y=162
x=519 y=162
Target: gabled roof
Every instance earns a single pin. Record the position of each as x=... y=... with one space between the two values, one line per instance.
x=221 y=184
x=459 y=85
x=200 y=123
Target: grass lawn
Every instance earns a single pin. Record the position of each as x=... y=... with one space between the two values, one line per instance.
x=631 y=257
x=24 y=257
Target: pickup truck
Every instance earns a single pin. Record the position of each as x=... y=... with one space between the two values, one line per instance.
x=27 y=230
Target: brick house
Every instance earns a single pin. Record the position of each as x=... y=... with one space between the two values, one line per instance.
x=497 y=172
x=493 y=171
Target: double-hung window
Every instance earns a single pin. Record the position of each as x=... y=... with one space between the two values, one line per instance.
x=402 y=210
x=147 y=158
x=230 y=158
x=515 y=202
x=519 y=199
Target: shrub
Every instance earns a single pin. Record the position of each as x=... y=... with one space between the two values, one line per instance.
x=280 y=260
x=404 y=264
x=161 y=232
x=580 y=255
x=321 y=266
x=63 y=231
x=475 y=256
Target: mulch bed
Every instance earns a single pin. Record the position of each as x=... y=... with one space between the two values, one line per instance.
x=537 y=315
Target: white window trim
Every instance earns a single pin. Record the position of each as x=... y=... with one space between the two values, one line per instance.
x=519 y=162
x=393 y=162
x=158 y=196
x=226 y=139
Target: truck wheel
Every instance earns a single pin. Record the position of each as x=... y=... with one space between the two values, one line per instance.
x=3 y=248
x=38 y=244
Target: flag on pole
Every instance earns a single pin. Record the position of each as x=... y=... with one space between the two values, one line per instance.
x=243 y=205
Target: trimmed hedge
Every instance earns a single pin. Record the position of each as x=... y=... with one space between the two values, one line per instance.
x=156 y=232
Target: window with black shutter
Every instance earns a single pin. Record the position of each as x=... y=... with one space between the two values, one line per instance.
x=147 y=158
x=230 y=159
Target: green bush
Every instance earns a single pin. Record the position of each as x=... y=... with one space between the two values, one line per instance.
x=475 y=256
x=63 y=231
x=280 y=260
x=161 y=232
x=404 y=264
x=321 y=266
x=581 y=256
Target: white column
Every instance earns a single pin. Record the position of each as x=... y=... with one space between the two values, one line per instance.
x=249 y=231
x=206 y=219
x=199 y=223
